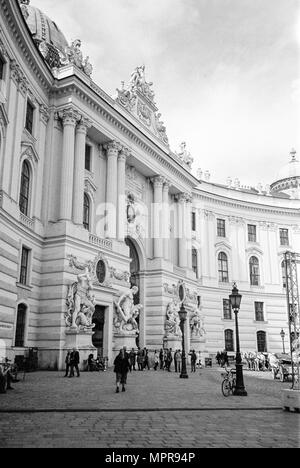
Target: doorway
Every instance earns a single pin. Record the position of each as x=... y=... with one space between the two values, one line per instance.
x=98 y=336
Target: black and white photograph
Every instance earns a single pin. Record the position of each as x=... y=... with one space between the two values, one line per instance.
x=149 y=227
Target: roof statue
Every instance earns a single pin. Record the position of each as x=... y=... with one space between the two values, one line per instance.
x=184 y=155
x=137 y=97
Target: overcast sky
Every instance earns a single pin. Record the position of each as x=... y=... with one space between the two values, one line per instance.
x=226 y=72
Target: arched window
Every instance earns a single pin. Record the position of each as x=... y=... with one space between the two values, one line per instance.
x=20 y=326
x=284 y=278
x=254 y=271
x=229 y=340
x=86 y=212
x=262 y=342
x=223 y=268
x=195 y=262
x=25 y=189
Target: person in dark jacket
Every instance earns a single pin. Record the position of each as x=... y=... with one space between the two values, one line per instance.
x=193 y=360
x=74 y=363
x=132 y=359
x=122 y=366
x=68 y=363
x=161 y=359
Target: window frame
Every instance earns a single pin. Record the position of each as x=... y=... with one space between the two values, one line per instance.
x=231 y=348
x=30 y=106
x=227 y=310
x=24 y=266
x=254 y=276
x=195 y=257
x=259 y=342
x=284 y=239
x=221 y=228
x=20 y=342
x=89 y=169
x=86 y=210
x=25 y=196
x=194 y=221
x=252 y=236
x=223 y=274
x=259 y=313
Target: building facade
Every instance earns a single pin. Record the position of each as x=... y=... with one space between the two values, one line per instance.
x=93 y=202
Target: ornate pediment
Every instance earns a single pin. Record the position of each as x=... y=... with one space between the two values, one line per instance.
x=29 y=151
x=138 y=99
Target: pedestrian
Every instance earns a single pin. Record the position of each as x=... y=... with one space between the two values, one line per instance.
x=146 y=359
x=74 y=363
x=193 y=360
x=121 y=369
x=161 y=359
x=177 y=361
x=140 y=359
x=199 y=360
x=132 y=360
x=68 y=363
x=169 y=360
x=156 y=361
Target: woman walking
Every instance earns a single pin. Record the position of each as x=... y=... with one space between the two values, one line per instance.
x=122 y=365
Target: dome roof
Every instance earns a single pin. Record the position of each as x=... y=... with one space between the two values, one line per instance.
x=291 y=169
x=43 y=29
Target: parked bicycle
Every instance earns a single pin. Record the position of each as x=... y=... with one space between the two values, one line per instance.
x=229 y=382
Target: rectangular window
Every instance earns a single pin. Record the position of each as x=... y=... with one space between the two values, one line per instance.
x=193 y=221
x=24 y=266
x=284 y=237
x=229 y=341
x=227 y=312
x=259 y=312
x=2 y=64
x=88 y=158
x=252 y=237
x=29 y=117
x=221 y=228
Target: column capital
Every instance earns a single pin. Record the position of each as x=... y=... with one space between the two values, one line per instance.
x=112 y=148
x=69 y=116
x=158 y=181
x=167 y=185
x=124 y=153
x=83 y=125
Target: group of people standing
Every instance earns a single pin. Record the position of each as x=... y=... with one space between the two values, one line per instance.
x=222 y=358
x=72 y=363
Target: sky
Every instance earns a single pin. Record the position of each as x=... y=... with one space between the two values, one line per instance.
x=226 y=73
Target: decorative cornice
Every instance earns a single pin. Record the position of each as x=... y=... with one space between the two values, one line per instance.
x=18 y=77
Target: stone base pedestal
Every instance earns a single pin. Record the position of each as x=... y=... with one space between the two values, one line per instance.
x=174 y=342
x=129 y=341
x=291 y=400
x=82 y=341
x=199 y=345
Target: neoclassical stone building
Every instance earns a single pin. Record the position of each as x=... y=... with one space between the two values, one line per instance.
x=94 y=202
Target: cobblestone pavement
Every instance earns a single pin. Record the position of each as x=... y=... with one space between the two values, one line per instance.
x=158 y=410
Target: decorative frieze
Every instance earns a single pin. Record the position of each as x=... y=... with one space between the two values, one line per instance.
x=102 y=243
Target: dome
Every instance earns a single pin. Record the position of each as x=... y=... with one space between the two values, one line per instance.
x=291 y=169
x=288 y=178
x=43 y=29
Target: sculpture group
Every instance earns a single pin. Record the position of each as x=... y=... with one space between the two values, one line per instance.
x=127 y=313
x=81 y=302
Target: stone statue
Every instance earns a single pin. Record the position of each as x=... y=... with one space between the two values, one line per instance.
x=185 y=155
x=197 y=323
x=125 y=320
x=81 y=302
x=160 y=127
x=172 y=325
x=87 y=66
x=137 y=79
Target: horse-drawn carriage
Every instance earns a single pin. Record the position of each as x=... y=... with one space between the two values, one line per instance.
x=282 y=367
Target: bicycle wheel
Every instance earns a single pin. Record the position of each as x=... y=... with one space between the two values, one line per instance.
x=226 y=389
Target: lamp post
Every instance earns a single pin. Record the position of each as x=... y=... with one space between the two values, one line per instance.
x=282 y=334
x=183 y=316
x=235 y=301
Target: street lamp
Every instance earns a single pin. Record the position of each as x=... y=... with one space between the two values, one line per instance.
x=183 y=316
x=282 y=334
x=235 y=301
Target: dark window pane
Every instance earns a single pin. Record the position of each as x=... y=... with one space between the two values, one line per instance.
x=24 y=266
x=254 y=271
x=86 y=213
x=252 y=237
x=29 y=117
x=259 y=311
x=20 y=326
x=284 y=237
x=2 y=63
x=227 y=312
x=229 y=342
x=221 y=227
x=195 y=261
x=88 y=157
x=193 y=221
x=261 y=342
x=223 y=268
x=24 y=189
x=101 y=271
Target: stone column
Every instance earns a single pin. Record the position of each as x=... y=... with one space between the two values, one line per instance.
x=112 y=149
x=69 y=117
x=157 y=216
x=182 y=231
x=166 y=219
x=79 y=169
x=124 y=153
x=188 y=217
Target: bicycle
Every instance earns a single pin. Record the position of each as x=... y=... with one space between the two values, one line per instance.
x=229 y=382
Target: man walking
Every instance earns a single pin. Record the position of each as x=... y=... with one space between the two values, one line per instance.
x=193 y=360
x=68 y=363
x=74 y=363
x=161 y=359
x=122 y=365
x=132 y=359
x=177 y=359
x=169 y=360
